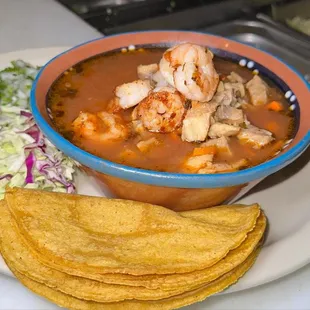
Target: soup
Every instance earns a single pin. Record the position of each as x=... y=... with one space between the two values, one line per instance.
x=180 y=110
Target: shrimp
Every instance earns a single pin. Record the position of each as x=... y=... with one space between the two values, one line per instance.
x=162 y=111
x=166 y=68
x=130 y=94
x=101 y=126
x=189 y=68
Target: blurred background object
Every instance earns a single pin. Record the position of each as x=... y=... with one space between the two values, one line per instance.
x=114 y=16
x=295 y=14
x=277 y=26
x=106 y=14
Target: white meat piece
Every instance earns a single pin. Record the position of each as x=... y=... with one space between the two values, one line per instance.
x=218 y=130
x=210 y=106
x=212 y=120
x=255 y=136
x=239 y=103
x=146 y=72
x=224 y=97
x=130 y=94
x=194 y=163
x=223 y=167
x=196 y=123
x=246 y=121
x=147 y=145
x=238 y=89
x=229 y=93
x=138 y=127
x=229 y=115
x=258 y=90
x=220 y=87
x=220 y=143
x=235 y=78
x=159 y=79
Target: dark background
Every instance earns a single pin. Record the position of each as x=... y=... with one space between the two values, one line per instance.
x=115 y=16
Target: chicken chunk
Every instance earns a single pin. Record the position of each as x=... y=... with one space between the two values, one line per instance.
x=146 y=72
x=229 y=115
x=210 y=106
x=220 y=87
x=237 y=89
x=224 y=97
x=229 y=93
x=240 y=102
x=255 y=136
x=235 y=78
x=218 y=130
x=196 y=123
x=212 y=121
x=147 y=145
x=194 y=163
x=221 y=144
x=258 y=91
x=223 y=167
x=138 y=128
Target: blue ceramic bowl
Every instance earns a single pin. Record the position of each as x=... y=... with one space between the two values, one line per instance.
x=176 y=190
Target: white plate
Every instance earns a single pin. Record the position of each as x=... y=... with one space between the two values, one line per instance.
x=284 y=196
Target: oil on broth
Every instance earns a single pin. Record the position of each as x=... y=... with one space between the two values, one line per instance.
x=89 y=86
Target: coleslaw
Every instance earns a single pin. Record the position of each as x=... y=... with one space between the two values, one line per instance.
x=27 y=158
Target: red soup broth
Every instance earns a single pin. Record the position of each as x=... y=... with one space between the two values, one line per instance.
x=90 y=85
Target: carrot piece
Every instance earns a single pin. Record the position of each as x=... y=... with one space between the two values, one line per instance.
x=204 y=150
x=275 y=106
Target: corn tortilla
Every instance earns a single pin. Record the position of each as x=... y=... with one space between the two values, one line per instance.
x=91 y=236
x=185 y=299
x=172 y=281
x=16 y=253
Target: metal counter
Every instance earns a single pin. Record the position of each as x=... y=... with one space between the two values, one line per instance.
x=268 y=38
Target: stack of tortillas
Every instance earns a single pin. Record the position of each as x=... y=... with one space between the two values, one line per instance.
x=94 y=253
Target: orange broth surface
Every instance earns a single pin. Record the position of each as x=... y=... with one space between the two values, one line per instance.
x=90 y=85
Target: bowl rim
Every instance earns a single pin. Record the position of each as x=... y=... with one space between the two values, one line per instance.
x=167 y=179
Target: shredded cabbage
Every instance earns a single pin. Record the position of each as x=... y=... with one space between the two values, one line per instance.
x=27 y=158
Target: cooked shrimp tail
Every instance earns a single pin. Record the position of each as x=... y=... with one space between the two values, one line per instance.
x=189 y=68
x=130 y=94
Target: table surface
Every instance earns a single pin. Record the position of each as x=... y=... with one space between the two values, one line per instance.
x=31 y=24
